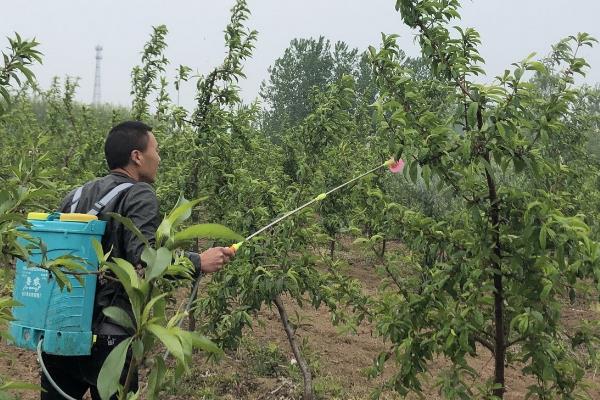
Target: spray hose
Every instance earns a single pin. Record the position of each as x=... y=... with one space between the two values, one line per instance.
x=394 y=166
x=47 y=374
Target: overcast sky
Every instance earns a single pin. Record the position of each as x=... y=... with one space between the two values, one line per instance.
x=68 y=31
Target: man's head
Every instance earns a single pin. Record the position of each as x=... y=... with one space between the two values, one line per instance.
x=131 y=146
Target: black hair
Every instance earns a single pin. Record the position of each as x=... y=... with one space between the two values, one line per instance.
x=122 y=140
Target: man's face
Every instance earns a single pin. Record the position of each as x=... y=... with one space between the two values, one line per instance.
x=147 y=161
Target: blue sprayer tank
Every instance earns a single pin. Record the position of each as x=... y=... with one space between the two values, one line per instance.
x=62 y=318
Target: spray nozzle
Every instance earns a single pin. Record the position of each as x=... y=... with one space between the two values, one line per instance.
x=236 y=246
x=395 y=166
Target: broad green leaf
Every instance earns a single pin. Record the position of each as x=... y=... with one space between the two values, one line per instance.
x=414 y=171
x=212 y=231
x=472 y=115
x=137 y=349
x=156 y=378
x=203 y=343
x=98 y=250
x=125 y=272
x=159 y=265
x=71 y=263
x=110 y=373
x=182 y=210
x=537 y=66
x=426 y=174
x=170 y=341
x=148 y=256
x=150 y=305
x=120 y=316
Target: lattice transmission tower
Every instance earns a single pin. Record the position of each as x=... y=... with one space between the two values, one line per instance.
x=97 y=93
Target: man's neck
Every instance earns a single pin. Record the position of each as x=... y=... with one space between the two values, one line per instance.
x=126 y=171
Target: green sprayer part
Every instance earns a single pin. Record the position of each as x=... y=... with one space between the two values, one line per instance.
x=318 y=198
x=321 y=197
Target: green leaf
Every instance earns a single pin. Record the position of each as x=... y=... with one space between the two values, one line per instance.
x=126 y=273
x=414 y=171
x=156 y=378
x=203 y=343
x=129 y=225
x=426 y=173
x=150 y=305
x=61 y=279
x=148 y=256
x=120 y=316
x=108 y=379
x=182 y=210
x=69 y=262
x=472 y=114
x=212 y=231
x=99 y=251
x=543 y=232
x=537 y=66
x=170 y=341
x=19 y=386
x=546 y=289
x=137 y=349
x=158 y=266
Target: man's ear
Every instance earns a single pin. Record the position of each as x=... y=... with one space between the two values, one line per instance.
x=135 y=157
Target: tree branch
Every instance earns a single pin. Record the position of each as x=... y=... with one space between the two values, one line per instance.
x=485 y=343
x=308 y=389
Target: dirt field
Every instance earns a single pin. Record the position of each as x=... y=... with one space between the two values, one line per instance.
x=262 y=369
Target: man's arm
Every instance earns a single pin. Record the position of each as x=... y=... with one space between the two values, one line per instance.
x=141 y=207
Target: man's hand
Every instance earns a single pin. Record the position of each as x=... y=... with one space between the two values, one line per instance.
x=215 y=258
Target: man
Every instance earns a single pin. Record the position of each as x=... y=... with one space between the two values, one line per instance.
x=132 y=155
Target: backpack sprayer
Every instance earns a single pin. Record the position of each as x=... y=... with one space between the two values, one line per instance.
x=61 y=320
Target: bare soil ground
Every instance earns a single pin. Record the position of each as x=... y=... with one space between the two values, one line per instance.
x=262 y=369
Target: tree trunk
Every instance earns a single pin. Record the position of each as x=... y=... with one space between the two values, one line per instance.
x=331 y=248
x=499 y=345
x=499 y=339
x=308 y=388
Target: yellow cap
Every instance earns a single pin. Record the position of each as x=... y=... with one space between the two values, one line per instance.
x=236 y=246
x=74 y=217
x=38 y=215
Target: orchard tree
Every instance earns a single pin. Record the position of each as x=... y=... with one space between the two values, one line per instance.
x=306 y=67
x=14 y=193
x=147 y=78
x=515 y=244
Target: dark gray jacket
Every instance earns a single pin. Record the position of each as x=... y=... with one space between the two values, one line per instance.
x=138 y=203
